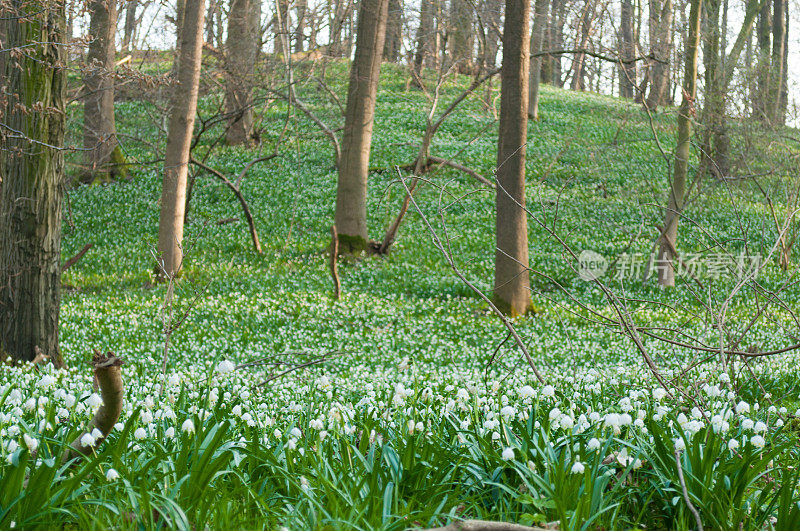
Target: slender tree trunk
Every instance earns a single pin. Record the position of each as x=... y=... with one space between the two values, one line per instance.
x=461 y=36
x=280 y=25
x=491 y=11
x=540 y=16
x=179 y=139
x=240 y=55
x=558 y=19
x=102 y=156
x=763 y=39
x=660 y=49
x=211 y=13
x=669 y=238
x=579 y=59
x=776 y=73
x=511 y=280
x=425 y=35
x=627 y=49
x=130 y=26
x=394 y=28
x=300 y=28
x=32 y=170
x=351 y=192
x=783 y=102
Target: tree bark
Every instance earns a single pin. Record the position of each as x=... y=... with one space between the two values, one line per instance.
x=668 y=240
x=491 y=12
x=102 y=156
x=660 y=49
x=32 y=170
x=461 y=38
x=240 y=56
x=511 y=280
x=776 y=72
x=351 y=192
x=300 y=27
x=394 y=27
x=556 y=40
x=627 y=49
x=179 y=138
x=130 y=26
x=579 y=59
x=539 y=23
x=425 y=35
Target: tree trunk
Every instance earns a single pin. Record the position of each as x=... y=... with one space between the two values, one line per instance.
x=179 y=138
x=461 y=35
x=32 y=169
x=211 y=12
x=351 y=192
x=660 y=49
x=491 y=11
x=627 y=49
x=579 y=59
x=540 y=16
x=130 y=26
x=556 y=35
x=511 y=281
x=102 y=156
x=778 y=51
x=241 y=54
x=763 y=35
x=394 y=27
x=425 y=35
x=300 y=27
x=668 y=240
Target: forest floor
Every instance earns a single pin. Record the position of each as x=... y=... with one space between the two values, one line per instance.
x=416 y=409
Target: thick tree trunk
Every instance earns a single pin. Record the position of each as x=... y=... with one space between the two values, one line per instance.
x=627 y=49
x=32 y=170
x=351 y=192
x=179 y=139
x=241 y=52
x=102 y=156
x=540 y=15
x=660 y=49
x=394 y=27
x=461 y=36
x=668 y=240
x=511 y=280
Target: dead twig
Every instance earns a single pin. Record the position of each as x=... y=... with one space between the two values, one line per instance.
x=75 y=259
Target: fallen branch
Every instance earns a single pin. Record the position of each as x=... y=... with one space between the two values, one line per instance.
x=109 y=378
x=485 y=525
x=221 y=176
x=74 y=260
x=460 y=167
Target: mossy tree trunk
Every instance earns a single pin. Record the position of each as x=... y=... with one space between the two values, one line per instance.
x=351 y=191
x=241 y=53
x=32 y=172
x=511 y=278
x=179 y=137
x=103 y=157
x=668 y=240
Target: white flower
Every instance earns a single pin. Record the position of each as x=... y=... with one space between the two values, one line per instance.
x=593 y=444
x=578 y=468
x=225 y=366
x=742 y=407
x=659 y=393
x=526 y=392
x=567 y=422
x=296 y=433
x=94 y=400
x=733 y=444
x=170 y=433
x=508 y=454
x=31 y=442
x=760 y=427
x=303 y=483
x=548 y=391
x=112 y=474
x=747 y=424
x=46 y=381
x=680 y=445
x=188 y=426
x=508 y=411
x=757 y=441
x=87 y=440
x=139 y=434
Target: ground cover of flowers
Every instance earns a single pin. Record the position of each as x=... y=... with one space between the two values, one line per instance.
x=417 y=417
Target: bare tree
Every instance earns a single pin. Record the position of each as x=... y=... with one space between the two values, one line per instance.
x=425 y=32
x=511 y=278
x=627 y=49
x=179 y=137
x=660 y=50
x=351 y=192
x=668 y=241
x=394 y=27
x=540 y=16
x=461 y=36
x=32 y=122
x=103 y=156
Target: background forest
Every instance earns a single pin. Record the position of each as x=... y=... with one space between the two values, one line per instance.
x=389 y=265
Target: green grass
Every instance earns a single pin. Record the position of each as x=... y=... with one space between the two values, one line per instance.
x=405 y=426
